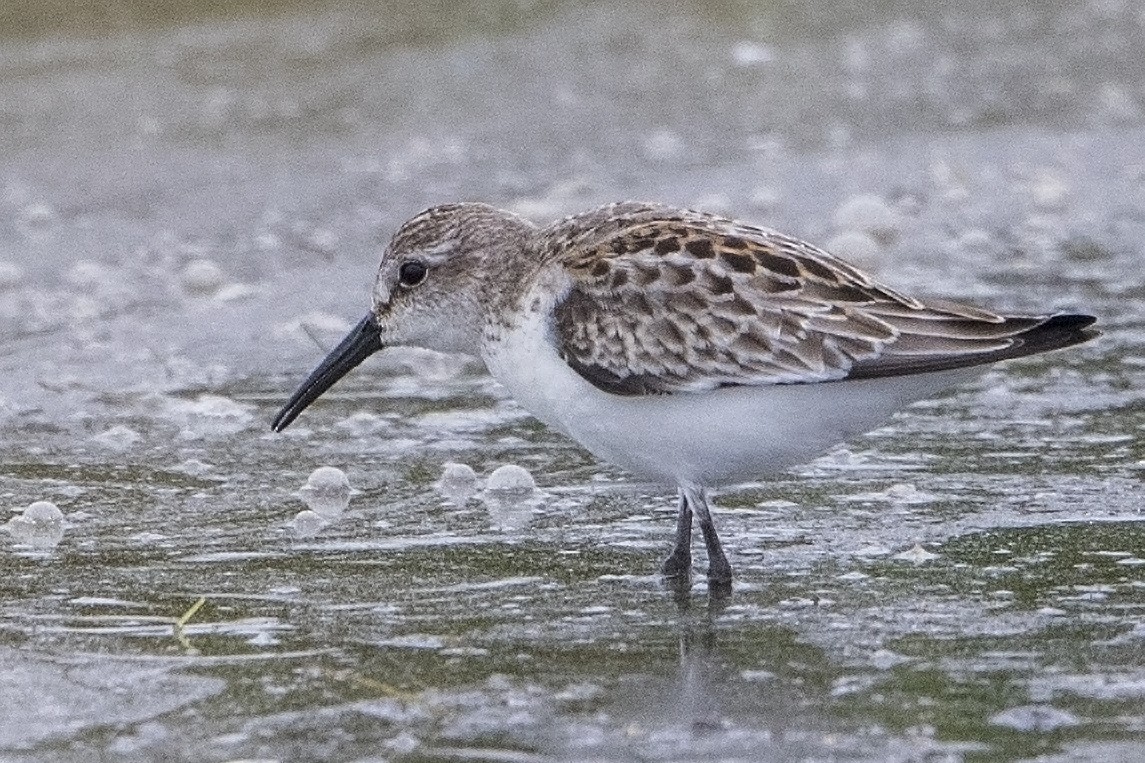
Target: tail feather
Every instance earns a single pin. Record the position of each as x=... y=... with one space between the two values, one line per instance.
x=1048 y=333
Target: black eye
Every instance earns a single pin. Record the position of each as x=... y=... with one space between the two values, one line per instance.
x=412 y=273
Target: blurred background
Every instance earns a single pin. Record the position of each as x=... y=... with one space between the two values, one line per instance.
x=193 y=199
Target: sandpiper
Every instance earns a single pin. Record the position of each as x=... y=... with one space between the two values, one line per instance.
x=688 y=348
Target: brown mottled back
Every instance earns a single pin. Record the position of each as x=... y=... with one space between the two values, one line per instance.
x=667 y=300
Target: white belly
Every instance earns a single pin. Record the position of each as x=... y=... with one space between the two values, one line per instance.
x=725 y=436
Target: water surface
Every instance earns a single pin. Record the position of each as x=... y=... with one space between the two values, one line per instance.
x=193 y=203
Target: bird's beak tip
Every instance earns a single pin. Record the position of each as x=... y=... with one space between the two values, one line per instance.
x=362 y=341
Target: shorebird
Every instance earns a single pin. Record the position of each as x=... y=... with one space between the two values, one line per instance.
x=685 y=347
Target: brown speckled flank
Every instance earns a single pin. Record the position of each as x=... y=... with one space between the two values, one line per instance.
x=591 y=320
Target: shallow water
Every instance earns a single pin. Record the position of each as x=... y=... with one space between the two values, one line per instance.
x=190 y=216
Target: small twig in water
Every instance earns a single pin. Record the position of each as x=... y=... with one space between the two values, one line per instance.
x=185 y=618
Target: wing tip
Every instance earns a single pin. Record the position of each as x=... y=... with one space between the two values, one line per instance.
x=1056 y=332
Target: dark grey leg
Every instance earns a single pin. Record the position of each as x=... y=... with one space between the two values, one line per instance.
x=719 y=571
x=679 y=562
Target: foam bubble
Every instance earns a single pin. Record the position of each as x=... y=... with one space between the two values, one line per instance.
x=868 y=212
x=327 y=491
x=663 y=145
x=41 y=525
x=511 y=479
x=119 y=437
x=857 y=247
x=88 y=274
x=765 y=199
x=510 y=498
x=1050 y=193
x=458 y=482
x=916 y=555
x=11 y=275
x=1035 y=718
x=202 y=276
x=747 y=53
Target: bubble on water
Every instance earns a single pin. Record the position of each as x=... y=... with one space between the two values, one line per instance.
x=511 y=478
x=901 y=492
x=43 y=512
x=779 y=504
x=233 y=292
x=1042 y=234
x=663 y=145
x=437 y=366
x=328 y=479
x=414 y=641
x=363 y=423
x=307 y=523
x=402 y=745
x=1116 y=103
x=916 y=555
x=510 y=498
x=1040 y=718
x=536 y=208
x=580 y=695
x=715 y=202
x=458 y=482
x=202 y=276
x=885 y=659
x=326 y=492
x=38 y=213
x=1049 y=191
x=869 y=213
x=955 y=195
x=87 y=274
x=193 y=467
x=208 y=415
x=119 y=437
x=40 y=525
x=764 y=199
x=943 y=175
x=313 y=324
x=976 y=241
x=873 y=551
x=11 y=275
x=748 y=53
x=559 y=199
x=856 y=247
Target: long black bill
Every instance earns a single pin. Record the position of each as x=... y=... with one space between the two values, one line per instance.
x=362 y=342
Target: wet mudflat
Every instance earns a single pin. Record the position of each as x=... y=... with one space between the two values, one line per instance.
x=191 y=214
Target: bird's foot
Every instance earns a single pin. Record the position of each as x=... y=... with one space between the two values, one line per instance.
x=677 y=565
x=720 y=574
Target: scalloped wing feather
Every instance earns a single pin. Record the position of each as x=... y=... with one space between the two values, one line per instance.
x=666 y=300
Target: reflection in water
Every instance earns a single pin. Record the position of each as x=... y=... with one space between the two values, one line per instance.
x=697 y=705
x=307 y=523
x=41 y=525
x=706 y=707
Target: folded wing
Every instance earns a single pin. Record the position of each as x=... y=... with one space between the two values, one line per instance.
x=667 y=300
